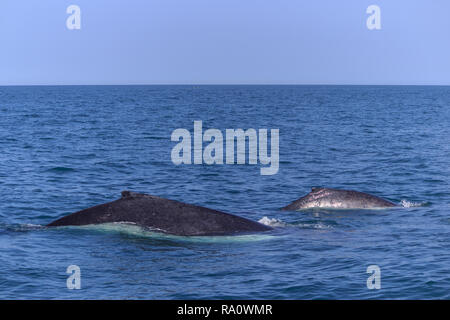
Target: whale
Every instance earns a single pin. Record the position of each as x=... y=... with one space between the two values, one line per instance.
x=162 y=215
x=338 y=199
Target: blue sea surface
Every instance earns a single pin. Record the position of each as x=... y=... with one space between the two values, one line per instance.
x=66 y=148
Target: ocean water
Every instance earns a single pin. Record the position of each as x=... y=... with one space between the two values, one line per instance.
x=66 y=148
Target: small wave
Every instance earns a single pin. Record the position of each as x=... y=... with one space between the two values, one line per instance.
x=272 y=222
x=154 y=137
x=313 y=226
x=23 y=227
x=61 y=169
x=411 y=204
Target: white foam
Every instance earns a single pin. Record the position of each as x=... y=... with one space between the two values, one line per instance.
x=314 y=226
x=410 y=204
x=26 y=227
x=272 y=222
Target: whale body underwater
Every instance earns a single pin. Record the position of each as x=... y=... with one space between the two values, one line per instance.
x=162 y=215
x=338 y=199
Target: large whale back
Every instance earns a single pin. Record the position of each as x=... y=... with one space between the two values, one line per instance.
x=164 y=215
x=338 y=199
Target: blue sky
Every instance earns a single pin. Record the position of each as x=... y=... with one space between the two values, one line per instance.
x=224 y=42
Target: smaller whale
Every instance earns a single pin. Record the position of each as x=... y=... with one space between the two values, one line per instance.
x=338 y=199
x=163 y=215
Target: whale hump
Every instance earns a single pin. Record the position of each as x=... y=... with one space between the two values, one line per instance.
x=338 y=199
x=163 y=215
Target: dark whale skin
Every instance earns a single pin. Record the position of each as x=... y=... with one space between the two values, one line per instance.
x=338 y=199
x=164 y=215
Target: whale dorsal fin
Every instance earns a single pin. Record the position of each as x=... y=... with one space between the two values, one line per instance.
x=314 y=189
x=126 y=194
x=133 y=195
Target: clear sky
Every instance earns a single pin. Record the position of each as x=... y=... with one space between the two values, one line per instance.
x=224 y=42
